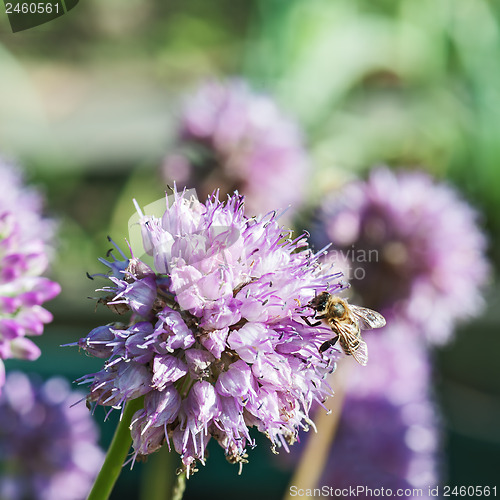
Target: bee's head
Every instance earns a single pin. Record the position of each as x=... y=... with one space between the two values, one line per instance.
x=319 y=302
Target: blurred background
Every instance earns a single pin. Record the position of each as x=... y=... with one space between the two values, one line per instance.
x=90 y=105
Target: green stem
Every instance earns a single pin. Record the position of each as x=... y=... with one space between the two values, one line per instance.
x=159 y=475
x=179 y=487
x=116 y=455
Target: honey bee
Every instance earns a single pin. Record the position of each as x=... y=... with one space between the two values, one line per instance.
x=346 y=321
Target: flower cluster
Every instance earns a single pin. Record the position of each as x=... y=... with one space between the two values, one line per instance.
x=418 y=245
x=23 y=258
x=231 y=138
x=217 y=341
x=48 y=449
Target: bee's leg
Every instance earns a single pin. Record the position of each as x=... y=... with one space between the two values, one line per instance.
x=323 y=316
x=329 y=343
x=306 y=319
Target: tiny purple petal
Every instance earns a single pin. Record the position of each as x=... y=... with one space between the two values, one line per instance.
x=235 y=382
x=139 y=295
x=163 y=406
x=221 y=314
x=98 y=342
x=202 y=402
x=215 y=341
x=199 y=362
x=166 y=370
x=172 y=329
x=249 y=340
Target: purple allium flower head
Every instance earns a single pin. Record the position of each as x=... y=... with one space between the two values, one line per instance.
x=414 y=248
x=388 y=434
x=222 y=346
x=48 y=448
x=231 y=138
x=24 y=235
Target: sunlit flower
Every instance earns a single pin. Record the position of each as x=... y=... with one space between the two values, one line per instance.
x=232 y=138
x=24 y=237
x=48 y=448
x=414 y=249
x=217 y=342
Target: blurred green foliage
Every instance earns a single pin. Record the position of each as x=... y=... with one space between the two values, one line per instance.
x=89 y=104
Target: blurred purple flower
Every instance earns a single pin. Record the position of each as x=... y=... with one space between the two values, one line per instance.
x=234 y=139
x=25 y=202
x=388 y=434
x=413 y=247
x=24 y=254
x=222 y=345
x=48 y=449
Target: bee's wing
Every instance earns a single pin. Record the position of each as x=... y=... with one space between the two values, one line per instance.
x=355 y=344
x=361 y=353
x=367 y=318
